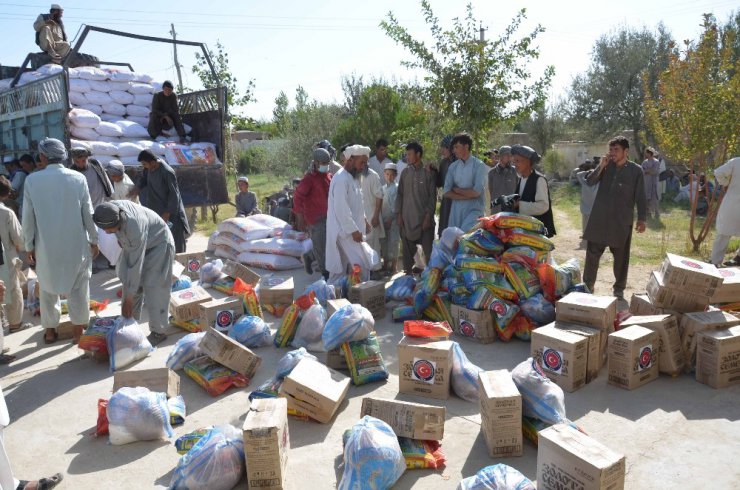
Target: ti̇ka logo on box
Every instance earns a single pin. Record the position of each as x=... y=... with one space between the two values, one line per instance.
x=224 y=319
x=552 y=360
x=692 y=264
x=105 y=322
x=646 y=358
x=186 y=295
x=423 y=370
x=467 y=329
x=193 y=265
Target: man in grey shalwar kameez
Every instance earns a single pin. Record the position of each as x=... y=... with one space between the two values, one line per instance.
x=161 y=194
x=145 y=267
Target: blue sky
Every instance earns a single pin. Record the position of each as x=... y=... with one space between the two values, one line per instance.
x=284 y=44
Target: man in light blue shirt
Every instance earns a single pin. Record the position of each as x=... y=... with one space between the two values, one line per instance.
x=465 y=184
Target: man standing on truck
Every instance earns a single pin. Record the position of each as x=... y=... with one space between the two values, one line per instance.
x=165 y=113
x=50 y=35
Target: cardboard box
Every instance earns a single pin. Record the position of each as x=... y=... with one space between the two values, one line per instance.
x=672 y=357
x=640 y=304
x=567 y=458
x=414 y=420
x=633 y=357
x=185 y=304
x=673 y=299
x=192 y=261
x=689 y=275
x=65 y=328
x=693 y=323
x=177 y=270
x=473 y=324
x=501 y=413
x=161 y=380
x=315 y=390
x=718 y=357
x=425 y=367
x=230 y=353
x=590 y=310
x=235 y=270
x=729 y=290
x=371 y=295
x=562 y=355
x=333 y=305
x=593 y=349
x=266 y=443
x=220 y=314
x=276 y=291
x=335 y=359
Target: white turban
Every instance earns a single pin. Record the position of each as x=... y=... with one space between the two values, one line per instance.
x=357 y=150
x=115 y=167
x=53 y=149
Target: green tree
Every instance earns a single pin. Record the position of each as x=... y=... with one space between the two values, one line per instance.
x=280 y=114
x=545 y=126
x=693 y=111
x=479 y=83
x=609 y=96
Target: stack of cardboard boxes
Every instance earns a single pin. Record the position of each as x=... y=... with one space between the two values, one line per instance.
x=424 y=367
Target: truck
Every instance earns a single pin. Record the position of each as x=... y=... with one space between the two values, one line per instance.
x=39 y=109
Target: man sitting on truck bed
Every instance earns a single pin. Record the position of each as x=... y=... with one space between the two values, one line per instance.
x=165 y=113
x=50 y=35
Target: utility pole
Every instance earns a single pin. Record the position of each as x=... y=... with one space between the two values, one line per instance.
x=177 y=65
x=481 y=30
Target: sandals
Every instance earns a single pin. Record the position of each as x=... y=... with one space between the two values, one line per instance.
x=6 y=358
x=50 y=336
x=22 y=326
x=77 y=333
x=155 y=338
x=42 y=484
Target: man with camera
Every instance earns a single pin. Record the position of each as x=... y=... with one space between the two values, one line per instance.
x=621 y=187
x=532 y=188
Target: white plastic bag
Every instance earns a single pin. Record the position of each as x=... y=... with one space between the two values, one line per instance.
x=120 y=75
x=127 y=344
x=541 y=398
x=94 y=108
x=497 y=477
x=132 y=129
x=290 y=360
x=215 y=462
x=109 y=117
x=83 y=118
x=464 y=375
x=109 y=129
x=91 y=73
x=142 y=77
x=118 y=85
x=80 y=144
x=103 y=159
x=210 y=272
x=348 y=323
x=372 y=457
x=137 y=414
x=108 y=245
x=310 y=329
x=100 y=86
x=185 y=350
x=144 y=122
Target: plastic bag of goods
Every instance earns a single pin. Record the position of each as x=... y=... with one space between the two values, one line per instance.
x=426 y=289
x=504 y=313
x=538 y=309
x=215 y=462
x=403 y=313
x=214 y=377
x=364 y=360
x=251 y=331
x=309 y=330
x=439 y=311
x=204 y=154
x=470 y=261
x=323 y=291
x=401 y=289
x=506 y=219
x=177 y=410
x=372 y=456
x=101 y=427
x=464 y=377
x=95 y=336
x=185 y=350
x=518 y=236
x=183 y=282
x=127 y=344
x=530 y=257
x=290 y=360
x=269 y=261
x=210 y=272
x=192 y=326
x=276 y=246
x=556 y=280
x=289 y=323
x=481 y=242
x=185 y=443
x=270 y=388
x=250 y=301
x=523 y=327
x=349 y=323
x=427 y=330
x=582 y=288
x=84 y=119
x=421 y=455
x=525 y=282
x=497 y=477
x=541 y=398
x=137 y=414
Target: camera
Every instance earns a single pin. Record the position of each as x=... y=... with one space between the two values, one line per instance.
x=506 y=202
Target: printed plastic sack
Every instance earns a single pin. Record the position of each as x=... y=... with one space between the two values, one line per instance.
x=289 y=322
x=310 y=328
x=95 y=336
x=403 y=313
x=177 y=410
x=444 y=249
x=183 y=282
x=541 y=398
x=421 y=455
x=504 y=312
x=269 y=261
x=101 y=428
x=276 y=246
x=401 y=289
x=215 y=462
x=250 y=300
x=355 y=276
x=538 y=309
x=210 y=272
x=137 y=414
x=556 y=280
x=350 y=322
x=518 y=236
x=524 y=281
x=251 y=331
x=507 y=219
x=214 y=377
x=464 y=377
x=427 y=330
x=365 y=361
x=185 y=443
x=470 y=261
x=372 y=456
x=186 y=349
x=290 y=360
x=426 y=289
x=268 y=389
x=497 y=477
x=439 y=310
x=127 y=344
x=481 y=242
x=523 y=327
x=323 y=291
x=525 y=255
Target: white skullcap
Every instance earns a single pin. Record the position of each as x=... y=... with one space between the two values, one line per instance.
x=391 y=166
x=357 y=150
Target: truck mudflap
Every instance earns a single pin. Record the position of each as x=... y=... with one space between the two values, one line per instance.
x=199 y=184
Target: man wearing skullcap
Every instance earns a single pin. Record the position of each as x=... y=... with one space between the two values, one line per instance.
x=50 y=34
x=651 y=172
x=122 y=183
x=465 y=184
x=60 y=237
x=345 y=219
x=165 y=112
x=446 y=159
x=145 y=266
x=372 y=198
x=389 y=245
x=246 y=201
x=501 y=178
x=532 y=187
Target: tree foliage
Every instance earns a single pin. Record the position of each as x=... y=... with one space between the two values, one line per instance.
x=693 y=110
x=477 y=83
x=545 y=126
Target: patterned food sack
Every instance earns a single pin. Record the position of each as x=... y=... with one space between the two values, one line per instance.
x=290 y=360
x=185 y=350
x=421 y=455
x=444 y=249
x=177 y=410
x=401 y=289
x=310 y=328
x=289 y=322
x=426 y=289
x=214 y=377
x=530 y=257
x=518 y=236
x=496 y=283
x=481 y=242
x=364 y=360
x=506 y=219
x=323 y=291
x=439 y=310
x=464 y=377
x=523 y=327
x=137 y=414
x=372 y=456
x=469 y=261
x=556 y=280
x=403 y=313
x=541 y=398
x=538 y=310
x=497 y=477
x=268 y=389
x=525 y=282
x=249 y=297
x=474 y=278
x=251 y=331
x=192 y=326
x=95 y=336
x=215 y=462
x=354 y=277
x=348 y=323
x=504 y=313
x=127 y=344
x=480 y=299
x=185 y=443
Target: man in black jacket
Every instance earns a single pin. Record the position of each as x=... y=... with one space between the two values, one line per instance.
x=532 y=187
x=165 y=112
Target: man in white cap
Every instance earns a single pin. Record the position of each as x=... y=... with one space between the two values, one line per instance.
x=60 y=238
x=246 y=201
x=122 y=183
x=345 y=219
x=50 y=35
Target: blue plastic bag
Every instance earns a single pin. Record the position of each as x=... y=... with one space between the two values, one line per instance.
x=251 y=331
x=137 y=414
x=372 y=457
x=541 y=398
x=185 y=350
x=401 y=289
x=215 y=462
x=127 y=343
x=176 y=407
x=444 y=249
x=183 y=282
x=464 y=377
x=210 y=272
x=350 y=322
x=323 y=291
x=497 y=477
x=538 y=309
x=290 y=360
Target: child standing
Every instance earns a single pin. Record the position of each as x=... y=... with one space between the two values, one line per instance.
x=246 y=201
x=389 y=244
